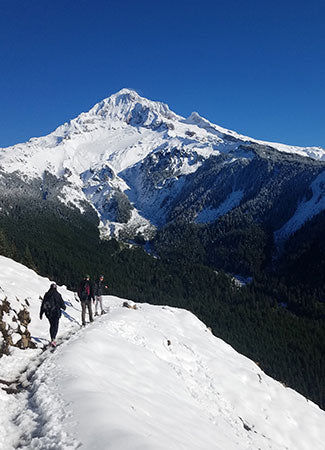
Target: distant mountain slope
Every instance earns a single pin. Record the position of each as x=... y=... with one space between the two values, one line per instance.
x=131 y=159
x=153 y=378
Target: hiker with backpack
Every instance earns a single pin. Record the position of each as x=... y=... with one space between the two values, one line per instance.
x=86 y=295
x=51 y=306
x=99 y=289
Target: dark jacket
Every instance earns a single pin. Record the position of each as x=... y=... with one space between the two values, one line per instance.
x=52 y=304
x=99 y=288
x=85 y=287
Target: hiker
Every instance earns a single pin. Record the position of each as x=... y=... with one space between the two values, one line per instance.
x=86 y=294
x=99 y=288
x=51 y=306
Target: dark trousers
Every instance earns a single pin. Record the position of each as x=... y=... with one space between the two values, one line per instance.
x=84 y=305
x=54 y=326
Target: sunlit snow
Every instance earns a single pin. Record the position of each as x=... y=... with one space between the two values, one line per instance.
x=150 y=378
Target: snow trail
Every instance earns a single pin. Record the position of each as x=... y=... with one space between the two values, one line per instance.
x=37 y=423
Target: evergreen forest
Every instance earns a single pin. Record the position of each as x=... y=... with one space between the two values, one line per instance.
x=277 y=319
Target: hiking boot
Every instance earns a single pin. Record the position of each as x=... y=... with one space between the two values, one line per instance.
x=96 y=314
x=103 y=312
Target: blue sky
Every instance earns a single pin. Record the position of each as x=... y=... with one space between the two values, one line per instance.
x=254 y=66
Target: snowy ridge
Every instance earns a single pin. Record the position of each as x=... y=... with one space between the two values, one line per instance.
x=151 y=378
x=311 y=152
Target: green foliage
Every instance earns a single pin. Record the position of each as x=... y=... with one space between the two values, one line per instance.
x=303 y=259
x=27 y=259
x=180 y=241
x=234 y=244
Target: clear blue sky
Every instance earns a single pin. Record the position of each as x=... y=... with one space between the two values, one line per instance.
x=254 y=66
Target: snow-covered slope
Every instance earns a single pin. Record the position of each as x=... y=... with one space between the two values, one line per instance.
x=114 y=130
x=147 y=378
x=128 y=144
x=311 y=152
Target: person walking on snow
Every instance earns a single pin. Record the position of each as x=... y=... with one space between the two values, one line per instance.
x=99 y=288
x=51 y=306
x=86 y=294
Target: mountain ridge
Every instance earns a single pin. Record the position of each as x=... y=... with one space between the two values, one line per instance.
x=136 y=151
x=108 y=107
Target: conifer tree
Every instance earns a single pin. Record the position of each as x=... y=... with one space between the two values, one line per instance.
x=28 y=259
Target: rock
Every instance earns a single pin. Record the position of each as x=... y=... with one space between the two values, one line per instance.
x=128 y=305
x=23 y=342
x=24 y=317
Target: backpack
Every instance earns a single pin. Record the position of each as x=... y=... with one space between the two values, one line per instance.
x=49 y=305
x=84 y=294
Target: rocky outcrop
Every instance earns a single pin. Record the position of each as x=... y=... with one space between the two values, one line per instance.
x=14 y=327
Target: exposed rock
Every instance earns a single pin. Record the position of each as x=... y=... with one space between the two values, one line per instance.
x=23 y=319
x=128 y=305
x=23 y=342
x=4 y=307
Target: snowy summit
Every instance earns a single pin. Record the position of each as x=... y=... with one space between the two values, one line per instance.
x=149 y=378
x=130 y=148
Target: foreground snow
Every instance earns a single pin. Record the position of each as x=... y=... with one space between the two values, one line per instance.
x=148 y=378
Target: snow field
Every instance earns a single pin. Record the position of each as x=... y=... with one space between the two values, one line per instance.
x=151 y=378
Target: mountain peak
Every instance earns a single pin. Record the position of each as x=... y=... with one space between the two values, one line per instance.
x=124 y=95
x=127 y=93
x=194 y=116
x=195 y=119
x=128 y=106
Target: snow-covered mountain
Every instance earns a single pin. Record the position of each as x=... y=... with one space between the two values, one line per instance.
x=153 y=378
x=132 y=160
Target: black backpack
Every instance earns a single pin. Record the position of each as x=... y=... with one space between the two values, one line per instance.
x=49 y=305
x=84 y=294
